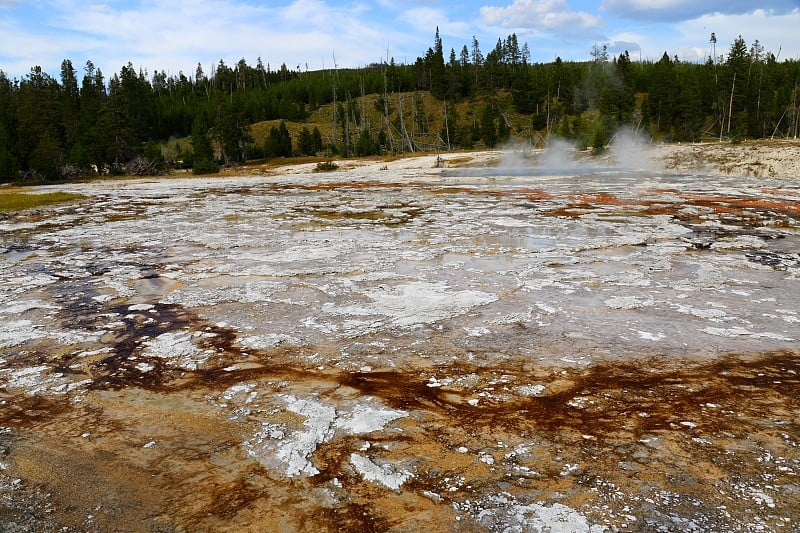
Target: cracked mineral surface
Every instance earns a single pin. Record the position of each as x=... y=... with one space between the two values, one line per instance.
x=404 y=348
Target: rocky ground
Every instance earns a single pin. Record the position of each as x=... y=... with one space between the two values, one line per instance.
x=500 y=341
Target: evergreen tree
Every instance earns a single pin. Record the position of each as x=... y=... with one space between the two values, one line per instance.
x=305 y=143
x=203 y=153
x=70 y=108
x=8 y=106
x=465 y=72
x=153 y=158
x=47 y=157
x=38 y=120
x=735 y=80
x=688 y=120
x=279 y=142
x=662 y=94
x=453 y=77
x=127 y=115
x=92 y=98
x=316 y=138
x=524 y=92
x=488 y=128
x=477 y=60
x=366 y=145
x=232 y=134
x=438 y=82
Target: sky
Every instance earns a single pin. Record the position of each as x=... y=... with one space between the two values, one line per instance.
x=176 y=35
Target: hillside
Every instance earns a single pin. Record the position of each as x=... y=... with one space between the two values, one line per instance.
x=63 y=129
x=427 y=121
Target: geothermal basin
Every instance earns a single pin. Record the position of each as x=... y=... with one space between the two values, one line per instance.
x=404 y=348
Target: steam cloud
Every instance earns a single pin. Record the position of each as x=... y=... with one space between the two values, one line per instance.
x=628 y=150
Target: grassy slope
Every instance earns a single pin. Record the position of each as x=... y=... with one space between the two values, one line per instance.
x=425 y=136
x=424 y=130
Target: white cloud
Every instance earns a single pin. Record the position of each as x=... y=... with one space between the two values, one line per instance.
x=21 y=49
x=689 y=40
x=175 y=36
x=311 y=12
x=427 y=19
x=543 y=15
x=676 y=10
x=774 y=32
x=616 y=46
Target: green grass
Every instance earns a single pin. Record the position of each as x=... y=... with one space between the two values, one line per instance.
x=12 y=200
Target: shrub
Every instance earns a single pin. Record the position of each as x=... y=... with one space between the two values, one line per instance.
x=205 y=166
x=326 y=166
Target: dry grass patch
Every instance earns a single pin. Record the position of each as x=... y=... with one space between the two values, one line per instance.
x=12 y=200
x=458 y=161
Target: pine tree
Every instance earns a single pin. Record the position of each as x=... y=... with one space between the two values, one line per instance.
x=316 y=138
x=305 y=143
x=92 y=98
x=438 y=82
x=279 y=142
x=70 y=105
x=38 y=120
x=47 y=157
x=8 y=106
x=201 y=144
x=232 y=134
x=662 y=94
x=737 y=67
x=465 y=72
x=477 y=59
x=488 y=128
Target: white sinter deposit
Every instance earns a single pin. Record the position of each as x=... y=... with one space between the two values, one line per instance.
x=350 y=316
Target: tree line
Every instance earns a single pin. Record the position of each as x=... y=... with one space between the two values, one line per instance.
x=74 y=125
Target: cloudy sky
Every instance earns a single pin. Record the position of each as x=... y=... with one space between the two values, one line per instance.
x=174 y=35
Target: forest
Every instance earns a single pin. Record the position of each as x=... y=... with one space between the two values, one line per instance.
x=133 y=122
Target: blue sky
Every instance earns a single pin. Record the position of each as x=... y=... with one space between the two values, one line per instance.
x=174 y=35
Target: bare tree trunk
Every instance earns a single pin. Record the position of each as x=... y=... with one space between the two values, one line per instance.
x=335 y=79
x=730 y=106
x=364 y=119
x=446 y=127
x=796 y=114
x=347 y=127
x=758 y=101
x=547 y=122
x=778 y=125
x=716 y=88
x=386 y=113
x=403 y=130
